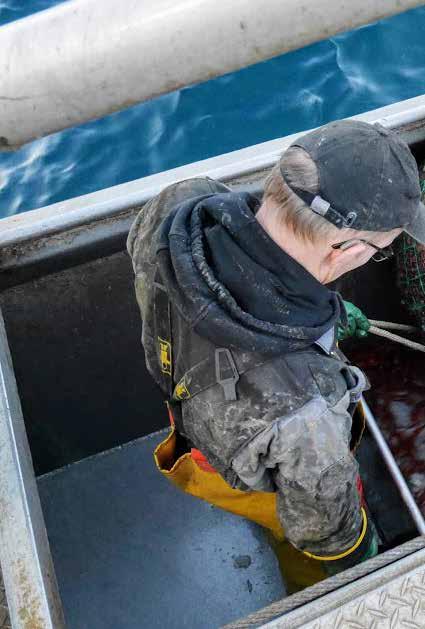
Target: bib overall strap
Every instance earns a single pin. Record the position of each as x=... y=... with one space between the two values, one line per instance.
x=219 y=367
x=164 y=348
x=163 y=334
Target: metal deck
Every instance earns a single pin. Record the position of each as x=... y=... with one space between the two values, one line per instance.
x=130 y=550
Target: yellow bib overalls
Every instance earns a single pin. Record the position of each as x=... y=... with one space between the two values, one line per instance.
x=193 y=475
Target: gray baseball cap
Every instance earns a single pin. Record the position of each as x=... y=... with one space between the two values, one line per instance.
x=368 y=178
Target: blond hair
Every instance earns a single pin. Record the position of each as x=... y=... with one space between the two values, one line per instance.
x=301 y=172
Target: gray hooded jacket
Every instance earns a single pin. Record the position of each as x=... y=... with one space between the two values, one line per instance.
x=283 y=424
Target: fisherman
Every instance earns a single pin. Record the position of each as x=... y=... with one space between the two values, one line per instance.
x=240 y=331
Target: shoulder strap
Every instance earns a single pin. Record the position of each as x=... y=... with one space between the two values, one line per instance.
x=218 y=368
x=164 y=349
x=163 y=334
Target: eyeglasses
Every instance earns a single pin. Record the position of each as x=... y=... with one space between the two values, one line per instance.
x=382 y=253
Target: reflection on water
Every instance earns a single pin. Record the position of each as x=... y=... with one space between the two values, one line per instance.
x=397 y=398
x=364 y=69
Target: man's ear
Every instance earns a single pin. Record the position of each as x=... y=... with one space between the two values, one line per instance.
x=333 y=256
x=342 y=257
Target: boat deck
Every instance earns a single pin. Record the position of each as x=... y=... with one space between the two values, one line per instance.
x=130 y=550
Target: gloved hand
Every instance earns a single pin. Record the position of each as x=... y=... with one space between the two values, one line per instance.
x=357 y=326
x=367 y=549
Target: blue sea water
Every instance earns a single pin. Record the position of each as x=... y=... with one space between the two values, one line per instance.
x=364 y=69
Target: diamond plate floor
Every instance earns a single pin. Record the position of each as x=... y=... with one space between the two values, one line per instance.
x=131 y=551
x=399 y=604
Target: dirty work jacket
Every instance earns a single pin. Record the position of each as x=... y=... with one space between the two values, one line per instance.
x=288 y=429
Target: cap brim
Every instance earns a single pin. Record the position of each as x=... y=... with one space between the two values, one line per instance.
x=416 y=228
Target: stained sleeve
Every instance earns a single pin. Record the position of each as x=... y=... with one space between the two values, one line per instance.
x=306 y=457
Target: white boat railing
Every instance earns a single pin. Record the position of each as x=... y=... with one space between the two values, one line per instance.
x=84 y=59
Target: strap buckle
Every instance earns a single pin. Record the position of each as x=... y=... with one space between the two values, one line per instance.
x=226 y=373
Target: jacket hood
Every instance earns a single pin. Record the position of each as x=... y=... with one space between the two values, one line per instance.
x=233 y=284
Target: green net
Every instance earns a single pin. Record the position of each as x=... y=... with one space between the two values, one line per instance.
x=411 y=272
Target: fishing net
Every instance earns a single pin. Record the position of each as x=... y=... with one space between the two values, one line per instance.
x=411 y=272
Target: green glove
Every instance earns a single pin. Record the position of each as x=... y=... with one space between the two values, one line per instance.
x=357 y=326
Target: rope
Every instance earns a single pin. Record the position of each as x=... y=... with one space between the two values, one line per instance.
x=380 y=329
x=307 y=595
x=387 y=325
x=395 y=337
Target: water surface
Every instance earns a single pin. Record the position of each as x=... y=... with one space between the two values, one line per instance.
x=348 y=74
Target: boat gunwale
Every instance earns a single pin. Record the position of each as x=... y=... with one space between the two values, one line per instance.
x=111 y=202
